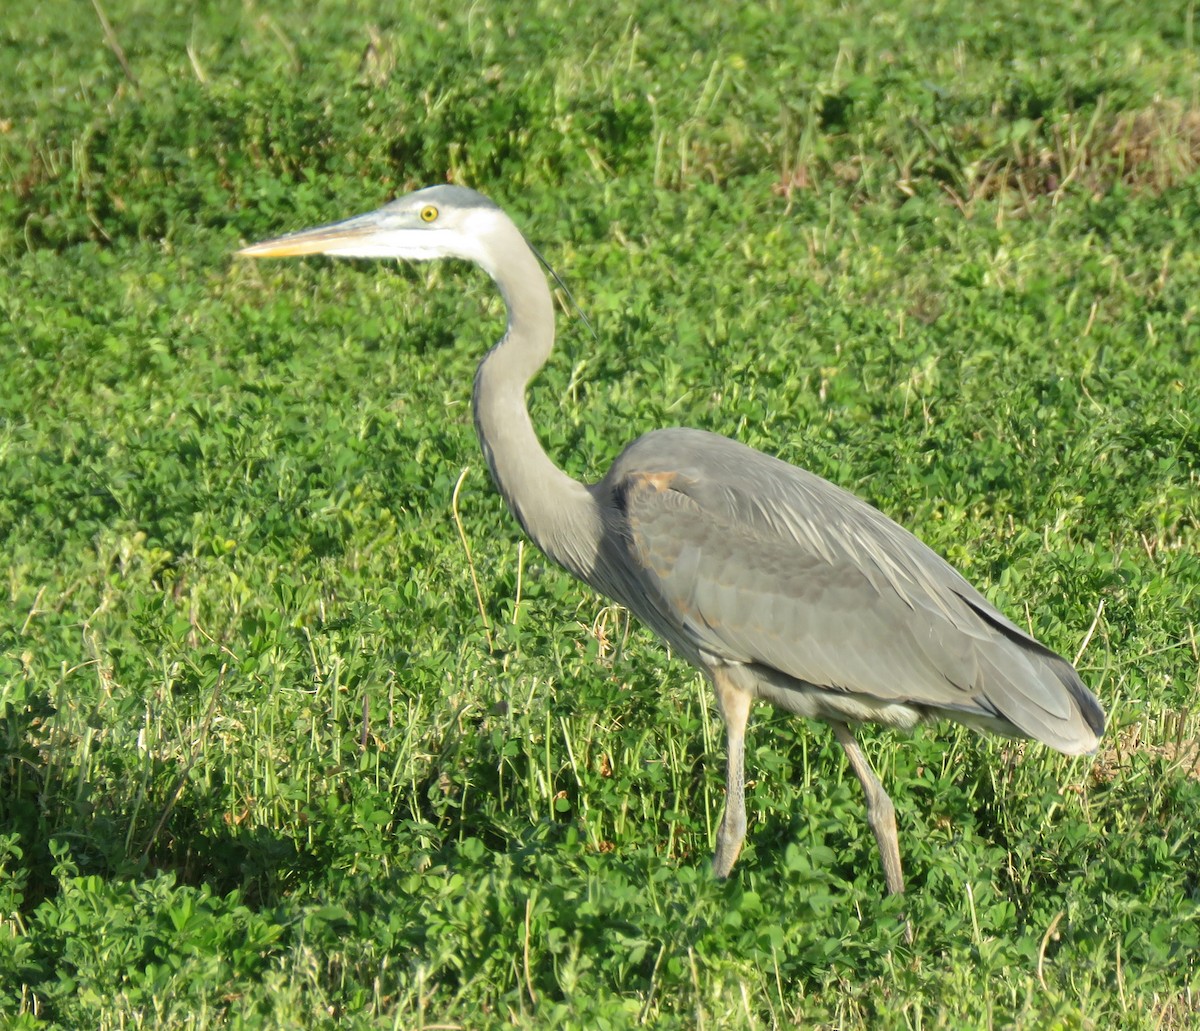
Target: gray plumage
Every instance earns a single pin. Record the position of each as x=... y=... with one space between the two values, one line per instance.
x=777 y=584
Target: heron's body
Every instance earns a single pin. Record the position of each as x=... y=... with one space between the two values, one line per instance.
x=779 y=585
x=812 y=599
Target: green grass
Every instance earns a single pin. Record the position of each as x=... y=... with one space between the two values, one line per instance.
x=265 y=762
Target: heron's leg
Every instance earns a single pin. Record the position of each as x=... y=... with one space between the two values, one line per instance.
x=735 y=710
x=881 y=814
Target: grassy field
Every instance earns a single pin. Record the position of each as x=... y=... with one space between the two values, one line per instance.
x=265 y=759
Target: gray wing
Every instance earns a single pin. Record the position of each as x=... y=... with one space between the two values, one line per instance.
x=750 y=560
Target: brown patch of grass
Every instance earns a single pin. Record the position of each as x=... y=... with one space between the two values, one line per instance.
x=1162 y=142
x=1180 y=1011
x=1148 y=150
x=1180 y=752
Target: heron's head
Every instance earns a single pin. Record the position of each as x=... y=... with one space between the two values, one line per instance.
x=437 y=222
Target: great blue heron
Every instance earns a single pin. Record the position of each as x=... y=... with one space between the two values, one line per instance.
x=774 y=582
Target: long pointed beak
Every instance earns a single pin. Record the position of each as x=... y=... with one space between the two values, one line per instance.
x=346 y=236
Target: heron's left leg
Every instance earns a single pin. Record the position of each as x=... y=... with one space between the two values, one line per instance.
x=735 y=711
x=881 y=814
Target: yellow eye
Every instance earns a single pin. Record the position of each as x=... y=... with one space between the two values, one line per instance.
x=429 y=213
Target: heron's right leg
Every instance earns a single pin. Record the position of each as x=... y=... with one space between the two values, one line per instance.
x=735 y=710
x=881 y=814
